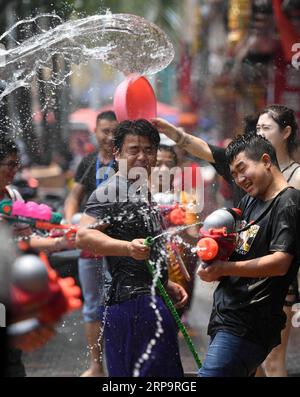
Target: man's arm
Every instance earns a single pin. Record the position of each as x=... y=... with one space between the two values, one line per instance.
x=177 y=293
x=49 y=244
x=90 y=236
x=73 y=201
x=194 y=145
x=275 y=264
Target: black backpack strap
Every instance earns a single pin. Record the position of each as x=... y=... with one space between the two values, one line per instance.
x=295 y=169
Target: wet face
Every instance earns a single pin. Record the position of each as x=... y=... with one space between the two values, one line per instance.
x=251 y=176
x=104 y=134
x=165 y=161
x=8 y=169
x=268 y=128
x=138 y=151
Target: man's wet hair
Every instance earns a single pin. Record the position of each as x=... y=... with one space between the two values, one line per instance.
x=7 y=146
x=255 y=146
x=169 y=149
x=107 y=115
x=140 y=127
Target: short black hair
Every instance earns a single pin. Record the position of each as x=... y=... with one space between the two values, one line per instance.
x=171 y=150
x=253 y=145
x=140 y=127
x=249 y=123
x=107 y=115
x=7 y=145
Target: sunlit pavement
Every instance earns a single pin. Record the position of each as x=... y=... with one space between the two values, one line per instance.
x=65 y=355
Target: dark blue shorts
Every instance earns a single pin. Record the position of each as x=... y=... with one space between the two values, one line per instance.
x=129 y=328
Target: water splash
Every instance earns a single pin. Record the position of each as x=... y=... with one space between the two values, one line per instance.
x=126 y=42
x=159 y=329
x=176 y=230
x=145 y=355
x=101 y=333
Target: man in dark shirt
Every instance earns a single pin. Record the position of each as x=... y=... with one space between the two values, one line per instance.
x=92 y=171
x=247 y=315
x=140 y=333
x=205 y=151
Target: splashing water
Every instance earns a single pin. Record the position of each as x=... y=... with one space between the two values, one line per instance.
x=159 y=329
x=177 y=230
x=101 y=333
x=168 y=236
x=126 y=42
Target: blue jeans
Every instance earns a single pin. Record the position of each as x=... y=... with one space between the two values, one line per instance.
x=229 y=355
x=92 y=277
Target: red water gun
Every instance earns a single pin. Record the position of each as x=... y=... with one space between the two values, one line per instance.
x=37 y=292
x=219 y=235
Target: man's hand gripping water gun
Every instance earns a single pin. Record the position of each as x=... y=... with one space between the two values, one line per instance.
x=218 y=241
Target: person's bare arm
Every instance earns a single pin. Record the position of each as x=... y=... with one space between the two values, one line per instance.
x=275 y=264
x=49 y=244
x=73 y=201
x=177 y=293
x=90 y=236
x=194 y=145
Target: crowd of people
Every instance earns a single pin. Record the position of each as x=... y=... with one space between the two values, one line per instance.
x=120 y=207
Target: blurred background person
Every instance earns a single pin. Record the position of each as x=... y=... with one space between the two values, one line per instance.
x=91 y=172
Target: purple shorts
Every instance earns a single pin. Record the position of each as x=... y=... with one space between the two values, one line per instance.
x=129 y=328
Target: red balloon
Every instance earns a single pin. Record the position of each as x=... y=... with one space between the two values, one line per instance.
x=134 y=99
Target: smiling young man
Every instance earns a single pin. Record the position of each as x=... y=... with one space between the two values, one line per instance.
x=247 y=314
x=140 y=335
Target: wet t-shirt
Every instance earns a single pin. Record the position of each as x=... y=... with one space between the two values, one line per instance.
x=252 y=307
x=130 y=214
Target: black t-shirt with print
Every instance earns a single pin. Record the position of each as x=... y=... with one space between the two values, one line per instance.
x=129 y=217
x=222 y=167
x=252 y=307
x=86 y=174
